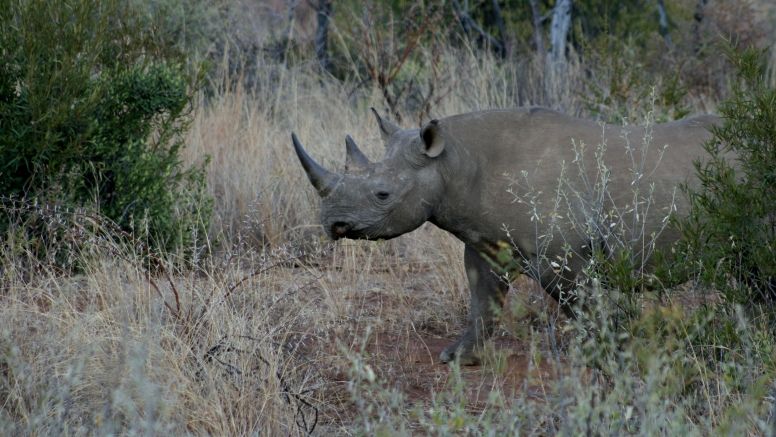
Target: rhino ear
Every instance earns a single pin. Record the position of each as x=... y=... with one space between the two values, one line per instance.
x=432 y=138
x=386 y=127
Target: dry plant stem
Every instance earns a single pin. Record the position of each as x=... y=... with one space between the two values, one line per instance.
x=257 y=272
x=437 y=78
x=212 y=354
x=381 y=54
x=407 y=287
x=185 y=320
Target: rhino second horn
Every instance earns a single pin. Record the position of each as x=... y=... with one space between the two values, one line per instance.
x=354 y=159
x=321 y=178
x=387 y=129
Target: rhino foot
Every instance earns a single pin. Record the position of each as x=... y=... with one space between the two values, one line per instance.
x=464 y=354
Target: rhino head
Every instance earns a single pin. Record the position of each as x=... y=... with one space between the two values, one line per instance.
x=385 y=199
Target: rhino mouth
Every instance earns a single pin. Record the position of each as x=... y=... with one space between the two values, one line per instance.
x=339 y=230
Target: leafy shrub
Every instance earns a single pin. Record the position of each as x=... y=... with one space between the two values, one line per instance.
x=93 y=105
x=731 y=228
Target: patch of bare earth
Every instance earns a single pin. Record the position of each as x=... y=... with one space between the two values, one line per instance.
x=412 y=326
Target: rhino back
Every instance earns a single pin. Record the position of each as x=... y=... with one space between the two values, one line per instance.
x=488 y=145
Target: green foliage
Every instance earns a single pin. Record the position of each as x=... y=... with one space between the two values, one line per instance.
x=143 y=176
x=731 y=229
x=93 y=105
x=635 y=19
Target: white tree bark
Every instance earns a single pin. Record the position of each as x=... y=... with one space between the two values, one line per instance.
x=559 y=31
x=556 y=84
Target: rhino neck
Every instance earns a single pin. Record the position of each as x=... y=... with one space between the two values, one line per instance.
x=459 y=210
x=475 y=189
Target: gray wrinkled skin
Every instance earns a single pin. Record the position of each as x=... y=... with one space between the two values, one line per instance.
x=451 y=173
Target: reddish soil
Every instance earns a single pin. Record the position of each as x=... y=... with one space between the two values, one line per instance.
x=411 y=360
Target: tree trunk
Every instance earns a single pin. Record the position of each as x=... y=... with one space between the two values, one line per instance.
x=700 y=8
x=559 y=31
x=555 y=84
x=285 y=42
x=661 y=8
x=500 y=24
x=537 y=22
x=324 y=10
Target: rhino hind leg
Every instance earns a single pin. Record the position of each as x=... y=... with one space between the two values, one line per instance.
x=486 y=288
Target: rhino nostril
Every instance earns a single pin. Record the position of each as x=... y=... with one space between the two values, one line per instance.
x=340 y=228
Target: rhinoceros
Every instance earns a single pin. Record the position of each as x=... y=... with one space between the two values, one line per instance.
x=451 y=172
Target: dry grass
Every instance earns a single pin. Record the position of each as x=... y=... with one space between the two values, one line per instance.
x=97 y=353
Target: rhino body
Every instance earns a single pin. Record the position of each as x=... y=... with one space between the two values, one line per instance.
x=451 y=172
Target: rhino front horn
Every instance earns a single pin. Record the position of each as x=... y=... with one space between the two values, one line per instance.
x=355 y=159
x=321 y=178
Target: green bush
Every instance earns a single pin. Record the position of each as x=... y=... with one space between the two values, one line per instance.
x=93 y=105
x=731 y=229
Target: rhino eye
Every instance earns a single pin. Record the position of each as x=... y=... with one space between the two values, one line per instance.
x=383 y=195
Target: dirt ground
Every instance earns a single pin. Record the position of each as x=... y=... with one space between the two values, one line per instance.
x=421 y=374
x=409 y=359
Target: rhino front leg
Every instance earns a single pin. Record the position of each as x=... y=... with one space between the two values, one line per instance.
x=486 y=288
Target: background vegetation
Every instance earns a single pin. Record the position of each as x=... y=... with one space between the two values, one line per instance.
x=120 y=150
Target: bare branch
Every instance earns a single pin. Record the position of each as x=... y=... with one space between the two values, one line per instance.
x=464 y=17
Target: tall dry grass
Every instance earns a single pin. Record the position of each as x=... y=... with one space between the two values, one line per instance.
x=257 y=347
